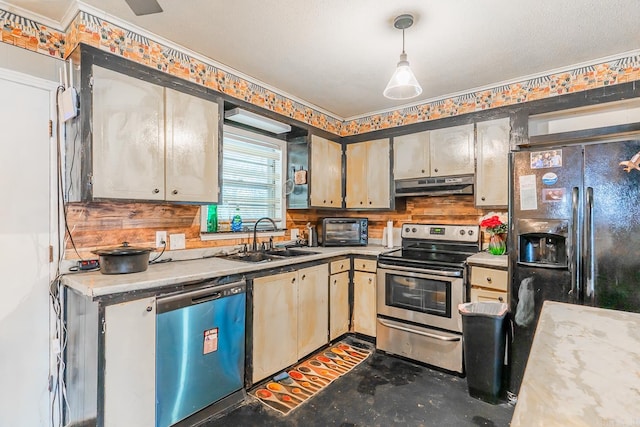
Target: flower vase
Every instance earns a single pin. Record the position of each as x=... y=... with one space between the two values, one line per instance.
x=497 y=244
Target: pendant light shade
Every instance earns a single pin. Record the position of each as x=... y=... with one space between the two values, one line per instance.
x=403 y=83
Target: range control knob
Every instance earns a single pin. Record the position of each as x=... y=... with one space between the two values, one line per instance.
x=406 y=230
x=470 y=232
x=414 y=230
x=462 y=232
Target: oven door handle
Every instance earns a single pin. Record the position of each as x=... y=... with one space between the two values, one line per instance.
x=415 y=331
x=421 y=270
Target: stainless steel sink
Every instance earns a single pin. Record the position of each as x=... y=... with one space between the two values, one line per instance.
x=266 y=256
x=290 y=252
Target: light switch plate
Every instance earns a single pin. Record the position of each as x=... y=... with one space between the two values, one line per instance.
x=176 y=241
x=295 y=233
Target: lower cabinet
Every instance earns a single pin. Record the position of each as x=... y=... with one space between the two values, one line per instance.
x=339 y=298
x=290 y=318
x=130 y=363
x=489 y=284
x=364 y=296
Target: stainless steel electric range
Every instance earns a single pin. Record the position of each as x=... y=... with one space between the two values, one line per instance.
x=419 y=289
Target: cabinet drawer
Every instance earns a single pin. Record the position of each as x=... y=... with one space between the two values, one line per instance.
x=486 y=295
x=489 y=278
x=365 y=264
x=340 y=266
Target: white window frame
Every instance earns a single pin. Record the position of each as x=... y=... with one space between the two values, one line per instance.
x=250 y=136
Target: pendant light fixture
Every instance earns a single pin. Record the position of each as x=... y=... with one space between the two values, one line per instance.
x=403 y=84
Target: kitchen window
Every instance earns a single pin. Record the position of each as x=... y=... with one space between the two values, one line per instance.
x=252 y=180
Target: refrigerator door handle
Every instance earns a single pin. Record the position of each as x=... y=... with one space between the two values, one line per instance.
x=589 y=250
x=576 y=290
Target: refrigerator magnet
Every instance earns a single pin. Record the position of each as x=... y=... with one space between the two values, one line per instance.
x=551 y=195
x=546 y=159
x=549 y=178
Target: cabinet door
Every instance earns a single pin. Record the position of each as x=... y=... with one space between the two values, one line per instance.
x=378 y=174
x=356 y=176
x=486 y=295
x=191 y=148
x=333 y=178
x=364 y=303
x=128 y=137
x=313 y=309
x=451 y=151
x=275 y=324
x=130 y=364
x=338 y=305
x=492 y=171
x=326 y=173
x=411 y=156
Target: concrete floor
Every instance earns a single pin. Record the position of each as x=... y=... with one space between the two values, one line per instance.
x=381 y=391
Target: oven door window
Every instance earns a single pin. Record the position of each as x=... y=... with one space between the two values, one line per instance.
x=343 y=232
x=420 y=294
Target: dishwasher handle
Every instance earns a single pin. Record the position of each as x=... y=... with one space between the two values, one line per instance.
x=186 y=299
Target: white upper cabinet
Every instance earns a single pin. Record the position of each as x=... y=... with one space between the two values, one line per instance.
x=326 y=173
x=452 y=151
x=128 y=137
x=411 y=155
x=492 y=173
x=152 y=143
x=191 y=148
x=368 y=175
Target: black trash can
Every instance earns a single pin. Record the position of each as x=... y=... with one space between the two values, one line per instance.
x=484 y=337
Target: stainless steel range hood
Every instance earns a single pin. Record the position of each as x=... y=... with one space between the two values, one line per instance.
x=436 y=186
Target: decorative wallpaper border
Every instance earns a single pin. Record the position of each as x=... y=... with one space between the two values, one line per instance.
x=99 y=33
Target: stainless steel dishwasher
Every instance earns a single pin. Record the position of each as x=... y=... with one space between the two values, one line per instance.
x=199 y=351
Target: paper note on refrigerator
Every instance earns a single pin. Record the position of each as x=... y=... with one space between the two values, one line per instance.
x=528 y=193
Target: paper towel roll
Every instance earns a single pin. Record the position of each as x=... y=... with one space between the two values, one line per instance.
x=389 y=234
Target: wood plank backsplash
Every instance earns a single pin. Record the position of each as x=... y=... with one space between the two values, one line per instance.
x=103 y=224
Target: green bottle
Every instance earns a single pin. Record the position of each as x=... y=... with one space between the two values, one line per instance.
x=212 y=219
x=236 y=221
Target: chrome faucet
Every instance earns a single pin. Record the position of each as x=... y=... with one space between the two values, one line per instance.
x=254 y=246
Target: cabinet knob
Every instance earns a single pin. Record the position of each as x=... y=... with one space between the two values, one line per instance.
x=174 y=192
x=335 y=281
x=370 y=280
x=324 y=201
x=500 y=299
x=330 y=201
x=149 y=308
x=293 y=280
x=363 y=266
x=369 y=201
x=360 y=201
x=422 y=170
x=488 y=279
x=483 y=198
x=435 y=170
x=156 y=190
x=341 y=266
x=304 y=276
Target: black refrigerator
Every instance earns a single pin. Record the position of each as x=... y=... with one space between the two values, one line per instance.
x=575 y=215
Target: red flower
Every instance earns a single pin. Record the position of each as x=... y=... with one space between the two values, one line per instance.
x=494 y=225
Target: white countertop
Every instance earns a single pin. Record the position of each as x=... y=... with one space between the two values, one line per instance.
x=488 y=260
x=95 y=284
x=584 y=369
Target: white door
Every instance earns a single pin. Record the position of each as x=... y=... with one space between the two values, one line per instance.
x=24 y=250
x=191 y=148
x=128 y=137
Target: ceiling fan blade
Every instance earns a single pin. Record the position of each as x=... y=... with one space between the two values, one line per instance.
x=144 y=7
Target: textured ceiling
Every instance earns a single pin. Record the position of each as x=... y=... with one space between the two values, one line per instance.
x=338 y=55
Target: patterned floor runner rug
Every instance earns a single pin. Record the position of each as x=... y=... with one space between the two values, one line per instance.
x=288 y=390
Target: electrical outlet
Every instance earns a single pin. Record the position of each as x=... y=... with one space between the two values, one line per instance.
x=177 y=241
x=295 y=233
x=161 y=236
